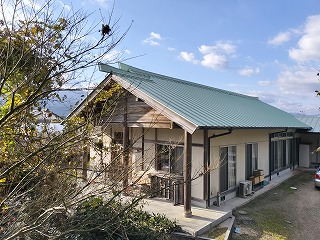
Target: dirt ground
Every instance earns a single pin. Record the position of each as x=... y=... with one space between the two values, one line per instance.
x=283 y=212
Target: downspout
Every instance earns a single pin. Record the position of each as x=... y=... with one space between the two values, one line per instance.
x=208 y=165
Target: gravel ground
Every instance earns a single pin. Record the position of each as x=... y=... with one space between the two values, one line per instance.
x=283 y=212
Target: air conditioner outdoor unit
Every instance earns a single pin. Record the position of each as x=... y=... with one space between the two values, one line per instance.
x=245 y=188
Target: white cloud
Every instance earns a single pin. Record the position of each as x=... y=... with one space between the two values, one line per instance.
x=153 y=39
x=298 y=81
x=220 y=47
x=264 y=83
x=213 y=56
x=189 y=57
x=216 y=56
x=309 y=44
x=233 y=85
x=35 y=4
x=151 y=42
x=294 y=105
x=282 y=37
x=214 y=61
x=64 y=6
x=171 y=49
x=154 y=35
x=114 y=56
x=101 y=3
x=265 y=96
x=293 y=90
x=249 y=71
x=22 y=11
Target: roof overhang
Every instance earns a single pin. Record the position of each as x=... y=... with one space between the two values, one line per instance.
x=139 y=94
x=171 y=115
x=89 y=98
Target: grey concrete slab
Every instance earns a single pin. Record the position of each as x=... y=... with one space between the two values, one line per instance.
x=275 y=181
x=201 y=221
x=204 y=219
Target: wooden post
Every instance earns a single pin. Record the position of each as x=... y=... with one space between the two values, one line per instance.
x=125 y=144
x=85 y=162
x=142 y=150
x=206 y=169
x=187 y=173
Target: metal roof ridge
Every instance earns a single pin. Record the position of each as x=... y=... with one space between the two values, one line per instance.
x=139 y=71
x=109 y=69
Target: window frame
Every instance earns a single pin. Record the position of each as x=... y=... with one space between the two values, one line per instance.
x=231 y=169
x=174 y=154
x=254 y=159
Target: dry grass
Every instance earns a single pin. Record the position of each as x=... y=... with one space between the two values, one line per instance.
x=216 y=233
x=269 y=212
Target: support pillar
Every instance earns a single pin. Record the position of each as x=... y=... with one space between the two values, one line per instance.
x=187 y=173
x=126 y=143
x=125 y=156
x=206 y=168
x=85 y=162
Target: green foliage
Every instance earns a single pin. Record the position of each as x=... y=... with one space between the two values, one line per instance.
x=105 y=95
x=34 y=59
x=40 y=52
x=96 y=218
x=27 y=63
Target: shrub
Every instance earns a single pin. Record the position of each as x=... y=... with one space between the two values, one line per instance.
x=99 y=219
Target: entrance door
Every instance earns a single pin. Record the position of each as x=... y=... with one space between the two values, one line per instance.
x=223 y=169
x=227 y=168
x=251 y=159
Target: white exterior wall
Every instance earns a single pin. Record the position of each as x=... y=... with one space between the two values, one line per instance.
x=314 y=141
x=99 y=158
x=171 y=135
x=238 y=138
x=197 y=166
x=149 y=150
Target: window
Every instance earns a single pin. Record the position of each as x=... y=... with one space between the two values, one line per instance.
x=251 y=159
x=118 y=138
x=170 y=158
x=282 y=150
x=117 y=147
x=227 y=168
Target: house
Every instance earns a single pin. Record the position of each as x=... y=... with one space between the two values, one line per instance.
x=205 y=139
x=309 y=142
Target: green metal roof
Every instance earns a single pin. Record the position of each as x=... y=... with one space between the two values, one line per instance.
x=313 y=121
x=203 y=106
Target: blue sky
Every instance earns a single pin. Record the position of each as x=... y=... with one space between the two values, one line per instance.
x=264 y=48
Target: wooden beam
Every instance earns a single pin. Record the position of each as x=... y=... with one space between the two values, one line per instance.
x=187 y=173
x=206 y=175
